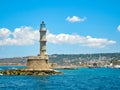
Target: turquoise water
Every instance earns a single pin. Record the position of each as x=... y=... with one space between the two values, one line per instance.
x=79 y=79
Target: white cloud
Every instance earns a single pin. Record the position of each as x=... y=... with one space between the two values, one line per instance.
x=27 y=35
x=75 y=19
x=4 y=33
x=118 y=27
x=20 y=36
x=76 y=39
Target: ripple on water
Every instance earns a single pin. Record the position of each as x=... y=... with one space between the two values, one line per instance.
x=80 y=79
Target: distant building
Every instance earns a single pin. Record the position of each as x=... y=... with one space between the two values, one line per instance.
x=95 y=65
x=53 y=65
x=115 y=62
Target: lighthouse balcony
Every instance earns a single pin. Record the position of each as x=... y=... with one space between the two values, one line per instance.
x=43 y=40
x=43 y=29
x=43 y=48
x=38 y=57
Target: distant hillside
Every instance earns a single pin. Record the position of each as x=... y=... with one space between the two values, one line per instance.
x=76 y=58
x=68 y=58
x=15 y=60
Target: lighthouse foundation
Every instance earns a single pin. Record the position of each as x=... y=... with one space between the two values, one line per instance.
x=38 y=63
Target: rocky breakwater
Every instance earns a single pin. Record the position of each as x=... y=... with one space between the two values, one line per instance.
x=29 y=72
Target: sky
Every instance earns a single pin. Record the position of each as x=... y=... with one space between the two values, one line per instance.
x=73 y=26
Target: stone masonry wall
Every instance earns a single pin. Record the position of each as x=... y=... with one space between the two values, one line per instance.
x=35 y=64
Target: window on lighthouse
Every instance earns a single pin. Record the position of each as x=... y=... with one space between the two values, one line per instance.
x=43 y=26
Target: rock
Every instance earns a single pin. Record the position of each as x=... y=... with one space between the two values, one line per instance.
x=29 y=72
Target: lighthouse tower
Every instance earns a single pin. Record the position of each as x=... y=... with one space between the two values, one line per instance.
x=40 y=62
x=43 y=39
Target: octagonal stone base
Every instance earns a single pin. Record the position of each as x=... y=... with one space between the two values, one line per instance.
x=37 y=63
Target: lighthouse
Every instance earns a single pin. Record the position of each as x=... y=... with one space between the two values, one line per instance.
x=43 y=39
x=40 y=62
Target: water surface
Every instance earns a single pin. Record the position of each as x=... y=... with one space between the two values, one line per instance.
x=79 y=79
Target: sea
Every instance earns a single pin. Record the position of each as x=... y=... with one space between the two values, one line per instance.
x=78 y=79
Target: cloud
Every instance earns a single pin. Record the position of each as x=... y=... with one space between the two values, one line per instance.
x=20 y=36
x=27 y=36
x=75 y=19
x=4 y=33
x=77 y=39
x=118 y=27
